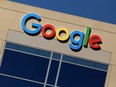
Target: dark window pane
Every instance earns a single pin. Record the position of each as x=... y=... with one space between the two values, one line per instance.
x=85 y=62
x=44 y=53
x=69 y=59
x=53 y=72
x=49 y=86
x=25 y=66
x=77 y=76
x=11 y=45
x=102 y=66
x=27 y=49
x=11 y=82
x=56 y=56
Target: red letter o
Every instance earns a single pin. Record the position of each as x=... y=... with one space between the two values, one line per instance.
x=44 y=29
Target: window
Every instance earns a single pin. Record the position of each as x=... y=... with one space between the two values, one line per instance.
x=24 y=66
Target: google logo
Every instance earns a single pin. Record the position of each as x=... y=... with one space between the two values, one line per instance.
x=84 y=39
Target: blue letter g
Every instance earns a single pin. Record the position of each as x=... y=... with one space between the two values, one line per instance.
x=24 y=21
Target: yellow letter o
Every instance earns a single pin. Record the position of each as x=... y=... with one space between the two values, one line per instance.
x=59 y=31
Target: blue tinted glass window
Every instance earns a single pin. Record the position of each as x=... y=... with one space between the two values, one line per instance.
x=11 y=45
x=56 y=56
x=53 y=72
x=85 y=62
x=12 y=82
x=44 y=53
x=49 y=86
x=69 y=59
x=35 y=68
x=102 y=66
x=27 y=49
x=25 y=66
x=77 y=76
